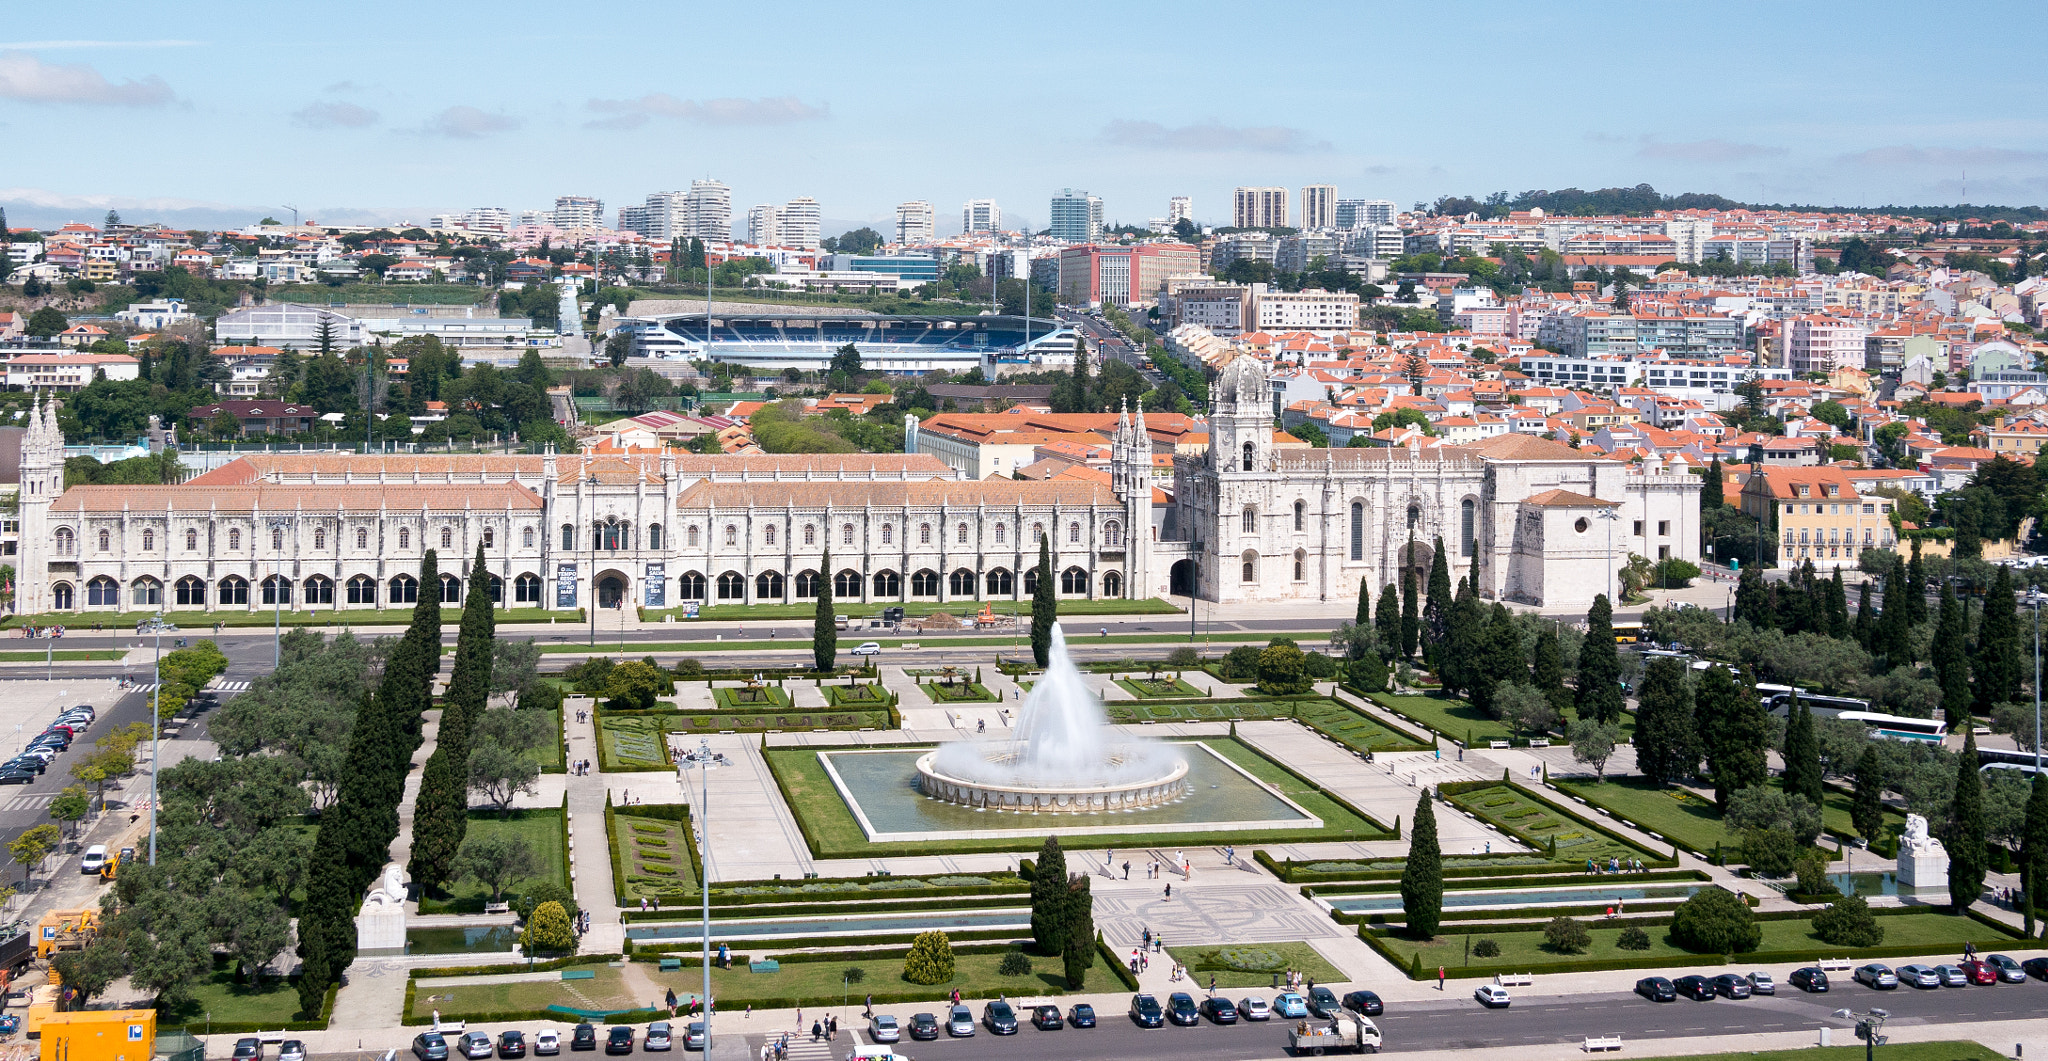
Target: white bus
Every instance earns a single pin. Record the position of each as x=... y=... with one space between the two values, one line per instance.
x=1895 y=727
x=1777 y=699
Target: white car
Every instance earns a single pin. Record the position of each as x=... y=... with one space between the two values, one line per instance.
x=95 y=859
x=1491 y=996
x=868 y=648
x=547 y=1043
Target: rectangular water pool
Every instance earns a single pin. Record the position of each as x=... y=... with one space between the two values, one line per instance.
x=475 y=939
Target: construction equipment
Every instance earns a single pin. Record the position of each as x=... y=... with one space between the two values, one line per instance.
x=1345 y=1031
x=66 y=930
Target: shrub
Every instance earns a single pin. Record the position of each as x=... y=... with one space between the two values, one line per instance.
x=931 y=959
x=1241 y=664
x=854 y=974
x=548 y=929
x=539 y=696
x=1567 y=934
x=1675 y=573
x=1184 y=657
x=1847 y=923
x=1282 y=670
x=1770 y=852
x=688 y=668
x=1014 y=964
x=1369 y=674
x=590 y=675
x=546 y=891
x=1813 y=877
x=1715 y=921
x=1486 y=948
x=1320 y=667
x=1633 y=938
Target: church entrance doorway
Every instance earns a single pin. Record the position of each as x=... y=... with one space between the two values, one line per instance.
x=1181 y=578
x=611 y=589
x=1416 y=557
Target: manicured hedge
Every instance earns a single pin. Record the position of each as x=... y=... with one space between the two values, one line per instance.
x=1291 y=873
x=1459 y=788
x=1663 y=876
x=1019 y=888
x=245 y=1027
x=845 y=909
x=1116 y=964
x=673 y=945
x=1453 y=918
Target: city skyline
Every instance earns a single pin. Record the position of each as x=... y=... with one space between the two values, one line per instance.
x=446 y=136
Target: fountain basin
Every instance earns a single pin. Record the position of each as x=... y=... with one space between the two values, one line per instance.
x=1093 y=798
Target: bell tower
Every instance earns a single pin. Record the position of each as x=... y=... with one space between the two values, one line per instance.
x=1241 y=419
x=42 y=480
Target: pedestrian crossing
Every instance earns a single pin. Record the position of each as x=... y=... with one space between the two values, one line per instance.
x=141 y=687
x=803 y=1048
x=219 y=686
x=26 y=802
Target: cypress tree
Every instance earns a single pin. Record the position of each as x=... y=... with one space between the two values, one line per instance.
x=824 y=629
x=1893 y=639
x=1422 y=879
x=1866 y=808
x=1967 y=857
x=2034 y=848
x=1599 y=693
x=1667 y=744
x=440 y=816
x=1411 y=617
x=1950 y=654
x=1548 y=672
x=1838 y=607
x=1388 y=619
x=1500 y=656
x=1735 y=732
x=1049 y=898
x=1436 y=609
x=1078 y=950
x=1364 y=616
x=1753 y=599
x=1458 y=662
x=1916 y=589
x=1044 y=606
x=1712 y=494
x=1999 y=648
x=1865 y=627
x=1802 y=754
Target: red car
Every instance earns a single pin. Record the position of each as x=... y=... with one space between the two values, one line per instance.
x=1980 y=971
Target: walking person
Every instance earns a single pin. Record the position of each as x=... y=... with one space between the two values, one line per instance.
x=671 y=1001
x=1439 y=978
x=1127 y=870
x=1169 y=891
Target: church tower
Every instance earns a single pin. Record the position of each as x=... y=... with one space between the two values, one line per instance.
x=1241 y=418
x=42 y=479
x=1130 y=477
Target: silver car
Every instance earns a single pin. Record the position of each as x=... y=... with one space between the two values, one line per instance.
x=1760 y=983
x=1254 y=1008
x=659 y=1037
x=884 y=1029
x=1919 y=976
x=1952 y=975
x=960 y=1022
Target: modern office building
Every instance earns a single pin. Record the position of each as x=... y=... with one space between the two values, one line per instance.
x=707 y=211
x=1259 y=208
x=578 y=211
x=1076 y=216
x=922 y=268
x=981 y=215
x=1356 y=213
x=1120 y=276
x=1318 y=206
x=914 y=222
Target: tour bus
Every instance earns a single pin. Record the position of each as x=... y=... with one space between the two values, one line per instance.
x=1894 y=727
x=1777 y=699
x=1627 y=633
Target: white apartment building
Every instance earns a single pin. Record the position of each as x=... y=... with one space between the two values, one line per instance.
x=914 y=222
x=764 y=224
x=578 y=211
x=1315 y=310
x=1384 y=241
x=1221 y=309
x=799 y=223
x=1355 y=213
x=1259 y=208
x=1318 y=206
x=706 y=212
x=1814 y=343
x=980 y=215
x=1178 y=209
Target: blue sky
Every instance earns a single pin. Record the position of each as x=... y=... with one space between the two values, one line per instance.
x=218 y=112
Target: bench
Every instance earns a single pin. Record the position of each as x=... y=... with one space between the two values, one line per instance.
x=671 y=964
x=497 y=908
x=1602 y=1042
x=579 y=974
x=272 y=1037
x=766 y=965
x=1497 y=744
x=1514 y=979
x=1539 y=742
x=1835 y=965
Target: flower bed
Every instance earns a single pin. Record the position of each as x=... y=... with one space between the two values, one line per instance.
x=759 y=698
x=1168 y=687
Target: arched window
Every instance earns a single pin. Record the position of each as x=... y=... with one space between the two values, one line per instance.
x=276 y=539
x=526 y=589
x=451 y=588
x=447 y=538
x=234 y=539
x=1000 y=584
x=405 y=537
x=960 y=534
x=1358 y=530
x=1251 y=567
x=1113 y=534
x=691 y=535
x=767 y=535
x=107 y=541
x=846 y=534
x=191 y=541
x=362 y=537
x=1467 y=543
x=1074 y=580
x=319 y=590
x=924 y=584
x=497 y=586
x=405 y=589
x=490 y=538
x=806 y=586
x=277 y=591
x=191 y=592
x=614 y=535
x=768 y=585
x=1030 y=581
x=810 y=535
x=846 y=585
x=1300 y=566
x=732 y=586
x=924 y=534
x=690 y=586
x=61 y=594
x=362 y=589
x=1301 y=515
x=526 y=538
x=888 y=584
x=1038 y=532
x=67 y=543
x=1414 y=516
x=960 y=583
x=1073 y=534
x=732 y=534
x=569 y=536
x=148 y=541
x=102 y=591
x=1247 y=456
x=234 y=590
x=319 y=537
x=1112 y=584
x=146 y=592
x=888 y=534
x=1251 y=520
x=1001 y=533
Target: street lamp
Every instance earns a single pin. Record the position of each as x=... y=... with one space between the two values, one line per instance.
x=277 y=528
x=156 y=725
x=2035 y=597
x=1610 y=517
x=1868 y=1025
x=702 y=760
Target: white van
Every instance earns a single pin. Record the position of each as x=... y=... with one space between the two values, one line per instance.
x=94 y=860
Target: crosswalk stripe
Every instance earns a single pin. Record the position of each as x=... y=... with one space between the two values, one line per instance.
x=27 y=803
x=229 y=687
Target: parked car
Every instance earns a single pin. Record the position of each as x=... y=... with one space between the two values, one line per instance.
x=1979 y=971
x=477 y=1046
x=1289 y=1005
x=32 y=762
x=1047 y=1018
x=427 y=1046
x=868 y=648
x=94 y=859
x=1952 y=975
x=1697 y=988
x=960 y=1022
x=17 y=775
x=1081 y=1015
x=1656 y=989
x=547 y=1043
x=1323 y=1002
x=882 y=1028
x=291 y=1050
x=1760 y=983
x=511 y=1044
x=1253 y=1008
x=1364 y=1002
x=1812 y=979
x=924 y=1027
x=1917 y=975
x=1146 y=1011
x=618 y=1039
x=1180 y=1009
x=660 y=1036
x=1218 y=1010
x=1731 y=985
x=1000 y=1018
x=583 y=1037
x=693 y=1035
x=2009 y=970
x=1877 y=975
x=1491 y=996
x=2035 y=967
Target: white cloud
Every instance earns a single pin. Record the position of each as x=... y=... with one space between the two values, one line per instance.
x=1212 y=136
x=1908 y=155
x=28 y=79
x=44 y=46
x=633 y=113
x=1709 y=151
x=468 y=123
x=334 y=116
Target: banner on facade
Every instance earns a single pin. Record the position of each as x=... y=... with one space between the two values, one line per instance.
x=657 y=585
x=565 y=585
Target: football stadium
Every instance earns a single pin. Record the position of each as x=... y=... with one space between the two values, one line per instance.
x=777 y=339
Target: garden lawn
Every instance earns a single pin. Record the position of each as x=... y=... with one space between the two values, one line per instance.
x=1511 y=809
x=958 y=693
x=1458 y=720
x=1938 y=1051
x=1253 y=964
x=861 y=694
x=1525 y=951
x=60 y=657
x=645 y=847
x=1170 y=686
x=200 y=622
x=631 y=743
x=769 y=697
x=1691 y=821
x=273 y=1005
x=911 y=609
x=550 y=753
x=541 y=830
x=1353 y=728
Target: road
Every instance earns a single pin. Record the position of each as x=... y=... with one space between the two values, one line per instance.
x=1111 y=343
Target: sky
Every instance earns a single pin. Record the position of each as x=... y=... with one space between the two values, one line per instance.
x=218 y=113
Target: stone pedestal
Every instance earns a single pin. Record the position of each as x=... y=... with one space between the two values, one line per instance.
x=1923 y=862
x=380 y=926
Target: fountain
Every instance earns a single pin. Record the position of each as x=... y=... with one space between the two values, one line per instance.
x=1063 y=758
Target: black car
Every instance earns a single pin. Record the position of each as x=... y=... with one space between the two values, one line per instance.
x=27 y=762
x=15 y=775
x=924 y=1027
x=1180 y=1009
x=1046 y=1018
x=1364 y=1002
x=1656 y=989
x=584 y=1037
x=1323 y=1002
x=512 y=1044
x=1218 y=1010
x=1082 y=1015
x=1146 y=1012
x=1697 y=988
x=1732 y=985
x=2036 y=968
x=618 y=1040
x=1812 y=979
x=1000 y=1018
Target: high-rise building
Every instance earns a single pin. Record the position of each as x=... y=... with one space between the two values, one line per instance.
x=799 y=224
x=578 y=211
x=1259 y=208
x=707 y=211
x=1318 y=206
x=1354 y=213
x=1076 y=216
x=981 y=215
x=1178 y=209
x=914 y=223
x=764 y=225
x=635 y=219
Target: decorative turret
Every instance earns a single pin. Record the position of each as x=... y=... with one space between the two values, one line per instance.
x=1241 y=418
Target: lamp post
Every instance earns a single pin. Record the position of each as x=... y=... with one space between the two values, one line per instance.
x=1610 y=517
x=1868 y=1025
x=156 y=725
x=277 y=527
x=702 y=761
